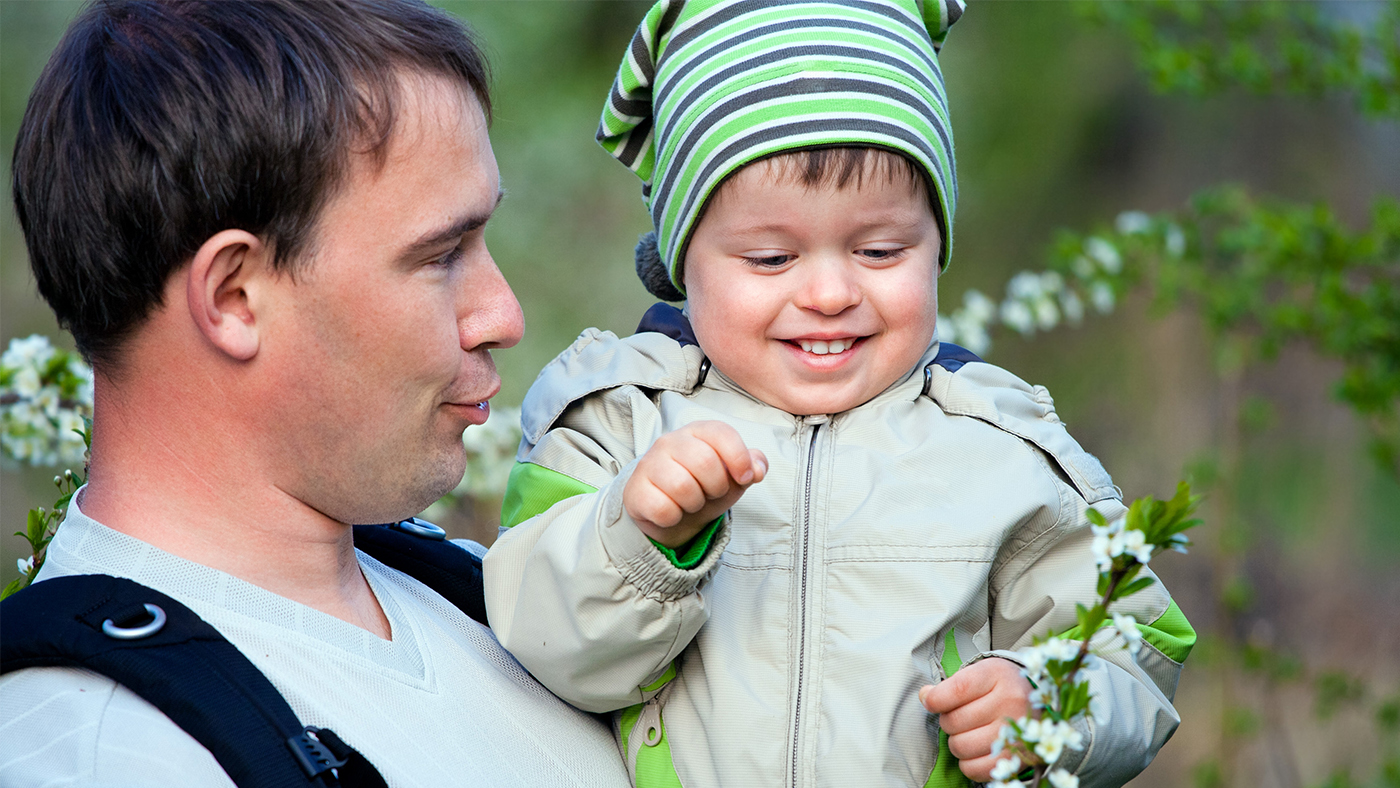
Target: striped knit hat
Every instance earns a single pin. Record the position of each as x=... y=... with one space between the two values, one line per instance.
x=708 y=86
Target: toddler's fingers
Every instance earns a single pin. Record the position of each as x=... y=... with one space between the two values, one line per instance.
x=759 y=462
x=955 y=691
x=697 y=474
x=727 y=443
x=1006 y=700
x=979 y=770
x=649 y=504
x=970 y=746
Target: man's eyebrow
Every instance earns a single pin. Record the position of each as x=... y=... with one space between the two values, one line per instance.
x=433 y=239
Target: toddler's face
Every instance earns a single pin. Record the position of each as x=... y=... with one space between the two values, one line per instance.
x=814 y=298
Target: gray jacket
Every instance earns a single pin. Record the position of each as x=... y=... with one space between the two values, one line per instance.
x=940 y=523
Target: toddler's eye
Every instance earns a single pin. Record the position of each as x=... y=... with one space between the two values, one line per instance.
x=772 y=261
x=880 y=255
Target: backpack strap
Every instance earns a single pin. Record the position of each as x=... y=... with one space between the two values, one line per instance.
x=168 y=655
x=420 y=550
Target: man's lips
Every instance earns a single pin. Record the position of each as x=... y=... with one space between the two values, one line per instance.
x=472 y=412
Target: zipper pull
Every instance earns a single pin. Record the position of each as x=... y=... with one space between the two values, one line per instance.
x=816 y=419
x=647 y=729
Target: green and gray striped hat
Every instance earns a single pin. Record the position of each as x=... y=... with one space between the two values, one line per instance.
x=708 y=86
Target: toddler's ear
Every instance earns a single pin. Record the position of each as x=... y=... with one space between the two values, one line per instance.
x=652 y=270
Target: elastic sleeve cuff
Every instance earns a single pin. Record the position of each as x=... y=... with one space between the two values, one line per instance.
x=693 y=552
x=637 y=557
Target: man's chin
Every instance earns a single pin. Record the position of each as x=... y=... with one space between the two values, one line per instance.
x=392 y=498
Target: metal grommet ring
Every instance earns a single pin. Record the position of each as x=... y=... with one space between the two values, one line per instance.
x=111 y=630
x=421 y=528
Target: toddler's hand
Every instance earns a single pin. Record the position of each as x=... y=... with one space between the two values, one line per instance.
x=688 y=478
x=973 y=704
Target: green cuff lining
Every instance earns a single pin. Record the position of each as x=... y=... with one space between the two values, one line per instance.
x=532 y=489
x=1170 y=634
x=694 y=551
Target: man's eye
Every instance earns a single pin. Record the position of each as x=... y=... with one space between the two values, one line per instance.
x=773 y=261
x=450 y=259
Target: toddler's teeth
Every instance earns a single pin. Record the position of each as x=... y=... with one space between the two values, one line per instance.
x=836 y=347
x=807 y=346
x=820 y=348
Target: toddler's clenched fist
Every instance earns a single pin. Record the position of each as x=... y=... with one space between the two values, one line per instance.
x=688 y=478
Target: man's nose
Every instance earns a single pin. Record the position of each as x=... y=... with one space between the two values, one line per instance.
x=491 y=316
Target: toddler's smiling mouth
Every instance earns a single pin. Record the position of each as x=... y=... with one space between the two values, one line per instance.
x=825 y=347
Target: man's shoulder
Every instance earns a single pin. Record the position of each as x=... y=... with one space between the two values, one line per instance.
x=69 y=726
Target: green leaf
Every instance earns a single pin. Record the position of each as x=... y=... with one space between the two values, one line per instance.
x=15 y=585
x=36 y=526
x=1134 y=587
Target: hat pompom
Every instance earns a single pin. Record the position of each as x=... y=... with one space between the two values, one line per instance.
x=653 y=272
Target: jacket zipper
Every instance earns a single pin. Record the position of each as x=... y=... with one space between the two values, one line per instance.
x=816 y=422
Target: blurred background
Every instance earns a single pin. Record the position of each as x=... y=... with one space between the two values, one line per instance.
x=1295 y=582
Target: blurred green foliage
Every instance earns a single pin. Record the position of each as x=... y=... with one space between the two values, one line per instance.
x=1269 y=48
x=1266 y=273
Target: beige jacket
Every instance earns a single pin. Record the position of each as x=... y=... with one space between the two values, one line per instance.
x=937 y=524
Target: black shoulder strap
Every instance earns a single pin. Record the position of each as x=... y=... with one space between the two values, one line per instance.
x=952 y=357
x=419 y=549
x=168 y=655
x=668 y=320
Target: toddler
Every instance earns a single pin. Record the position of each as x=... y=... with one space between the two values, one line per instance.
x=784 y=533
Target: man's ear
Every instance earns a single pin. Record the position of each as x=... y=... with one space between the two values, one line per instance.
x=216 y=290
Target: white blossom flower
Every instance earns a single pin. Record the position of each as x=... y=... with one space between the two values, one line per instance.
x=1030 y=729
x=1005 y=735
x=1176 y=241
x=1059 y=778
x=1018 y=317
x=1179 y=542
x=27 y=382
x=1071 y=306
x=1060 y=649
x=1047 y=315
x=1035 y=660
x=1131 y=223
x=978 y=307
x=1007 y=768
x=26 y=566
x=1050 y=749
x=1135 y=544
x=32 y=351
x=1025 y=286
x=1102 y=297
x=1105 y=254
x=1127 y=627
x=47 y=392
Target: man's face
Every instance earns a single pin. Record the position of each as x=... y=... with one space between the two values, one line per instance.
x=379 y=351
x=814 y=299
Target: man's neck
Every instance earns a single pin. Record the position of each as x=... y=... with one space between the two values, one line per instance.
x=153 y=480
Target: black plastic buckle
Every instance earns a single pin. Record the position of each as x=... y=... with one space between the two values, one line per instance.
x=316 y=757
